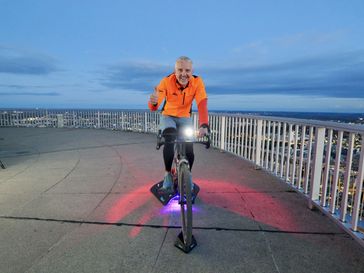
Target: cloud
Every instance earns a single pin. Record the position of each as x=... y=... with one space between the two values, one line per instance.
x=312 y=38
x=13 y=61
x=340 y=75
x=46 y=86
x=139 y=76
x=51 y=94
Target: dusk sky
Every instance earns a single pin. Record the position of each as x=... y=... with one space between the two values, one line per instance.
x=252 y=55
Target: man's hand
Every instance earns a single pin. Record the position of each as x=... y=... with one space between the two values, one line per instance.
x=154 y=97
x=202 y=131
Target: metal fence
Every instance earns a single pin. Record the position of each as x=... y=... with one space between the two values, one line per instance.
x=322 y=160
x=122 y=120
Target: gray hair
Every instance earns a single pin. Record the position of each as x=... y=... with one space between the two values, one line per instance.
x=184 y=58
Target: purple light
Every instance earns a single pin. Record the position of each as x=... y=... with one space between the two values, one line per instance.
x=173 y=206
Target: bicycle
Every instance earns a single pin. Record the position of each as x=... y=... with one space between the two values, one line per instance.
x=182 y=185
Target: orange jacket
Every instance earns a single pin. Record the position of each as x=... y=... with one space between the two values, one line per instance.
x=178 y=100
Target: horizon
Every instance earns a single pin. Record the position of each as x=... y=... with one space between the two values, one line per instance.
x=194 y=110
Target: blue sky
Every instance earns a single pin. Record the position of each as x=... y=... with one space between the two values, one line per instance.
x=252 y=55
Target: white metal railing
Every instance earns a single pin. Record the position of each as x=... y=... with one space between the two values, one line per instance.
x=138 y=121
x=322 y=160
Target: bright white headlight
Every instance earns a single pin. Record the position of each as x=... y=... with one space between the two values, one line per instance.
x=188 y=132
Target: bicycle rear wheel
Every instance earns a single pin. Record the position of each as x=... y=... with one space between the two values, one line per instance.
x=184 y=187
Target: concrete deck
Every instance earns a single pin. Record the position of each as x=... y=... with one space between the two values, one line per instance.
x=78 y=200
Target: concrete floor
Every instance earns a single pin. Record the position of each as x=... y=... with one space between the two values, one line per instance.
x=78 y=200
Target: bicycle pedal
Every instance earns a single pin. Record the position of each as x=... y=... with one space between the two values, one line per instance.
x=162 y=195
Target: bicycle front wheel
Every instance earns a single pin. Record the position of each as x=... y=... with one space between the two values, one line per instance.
x=184 y=187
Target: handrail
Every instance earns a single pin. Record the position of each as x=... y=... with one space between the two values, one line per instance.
x=355 y=128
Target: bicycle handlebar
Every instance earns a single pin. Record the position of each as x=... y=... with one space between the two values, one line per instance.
x=206 y=141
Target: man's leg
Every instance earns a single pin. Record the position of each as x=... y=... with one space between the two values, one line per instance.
x=169 y=135
x=168 y=128
x=190 y=155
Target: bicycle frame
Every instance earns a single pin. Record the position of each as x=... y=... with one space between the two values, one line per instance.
x=182 y=174
x=179 y=157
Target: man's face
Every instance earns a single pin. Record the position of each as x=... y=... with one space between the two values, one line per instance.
x=183 y=71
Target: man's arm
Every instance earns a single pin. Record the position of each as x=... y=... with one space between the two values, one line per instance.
x=203 y=113
x=153 y=100
x=201 y=100
x=157 y=97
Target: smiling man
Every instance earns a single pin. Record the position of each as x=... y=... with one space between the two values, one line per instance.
x=178 y=91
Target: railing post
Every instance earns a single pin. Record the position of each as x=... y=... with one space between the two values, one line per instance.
x=222 y=140
x=325 y=183
x=60 y=121
x=145 y=122
x=288 y=162
x=358 y=189
x=195 y=120
x=122 y=120
x=347 y=178
x=336 y=171
x=98 y=119
x=317 y=166
x=258 y=146
x=11 y=119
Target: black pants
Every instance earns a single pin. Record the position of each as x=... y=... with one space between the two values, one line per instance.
x=168 y=150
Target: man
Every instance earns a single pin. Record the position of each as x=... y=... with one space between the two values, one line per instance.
x=178 y=90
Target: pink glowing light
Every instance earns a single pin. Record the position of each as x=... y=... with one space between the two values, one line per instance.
x=128 y=203
x=282 y=218
x=212 y=194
